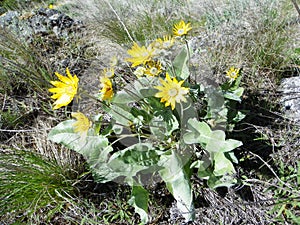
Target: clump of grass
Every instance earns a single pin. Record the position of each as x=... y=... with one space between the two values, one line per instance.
x=18 y=4
x=10 y=119
x=107 y=207
x=32 y=188
x=138 y=21
x=268 y=45
x=286 y=208
x=254 y=35
x=148 y=27
x=37 y=190
x=23 y=82
x=21 y=66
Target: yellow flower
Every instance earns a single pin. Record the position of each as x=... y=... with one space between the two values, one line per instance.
x=82 y=125
x=108 y=72
x=153 y=68
x=181 y=28
x=64 y=90
x=166 y=42
x=233 y=73
x=50 y=6
x=107 y=89
x=171 y=91
x=140 y=55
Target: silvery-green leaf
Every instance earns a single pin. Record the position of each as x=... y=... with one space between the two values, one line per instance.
x=178 y=183
x=223 y=165
x=180 y=64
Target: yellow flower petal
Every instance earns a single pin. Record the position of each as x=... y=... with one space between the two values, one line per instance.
x=107 y=89
x=233 y=73
x=140 y=55
x=171 y=91
x=181 y=28
x=64 y=90
x=165 y=43
x=82 y=124
x=63 y=100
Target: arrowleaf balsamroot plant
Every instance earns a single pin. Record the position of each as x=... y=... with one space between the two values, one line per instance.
x=155 y=130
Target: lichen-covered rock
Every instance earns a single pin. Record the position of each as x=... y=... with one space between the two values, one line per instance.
x=40 y=22
x=10 y=17
x=55 y=36
x=290 y=89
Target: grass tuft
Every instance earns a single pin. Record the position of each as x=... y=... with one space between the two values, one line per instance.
x=32 y=187
x=21 y=66
x=18 y=4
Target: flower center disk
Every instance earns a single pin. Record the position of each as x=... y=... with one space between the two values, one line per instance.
x=173 y=92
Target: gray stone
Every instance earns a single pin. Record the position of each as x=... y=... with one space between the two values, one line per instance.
x=290 y=100
x=8 y=18
x=40 y=22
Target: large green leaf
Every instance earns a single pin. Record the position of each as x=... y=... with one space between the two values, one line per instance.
x=204 y=168
x=223 y=165
x=121 y=114
x=215 y=167
x=64 y=134
x=139 y=200
x=180 y=64
x=140 y=89
x=95 y=148
x=143 y=154
x=144 y=86
x=234 y=94
x=216 y=108
x=141 y=157
x=220 y=181
x=195 y=129
x=125 y=97
x=212 y=141
x=178 y=183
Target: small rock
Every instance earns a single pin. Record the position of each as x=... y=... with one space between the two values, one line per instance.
x=290 y=100
x=54 y=17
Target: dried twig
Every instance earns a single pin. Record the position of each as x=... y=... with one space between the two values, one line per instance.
x=124 y=26
x=271 y=169
x=15 y=131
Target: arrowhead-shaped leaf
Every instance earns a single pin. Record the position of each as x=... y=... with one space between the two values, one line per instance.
x=181 y=64
x=199 y=132
x=178 y=183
